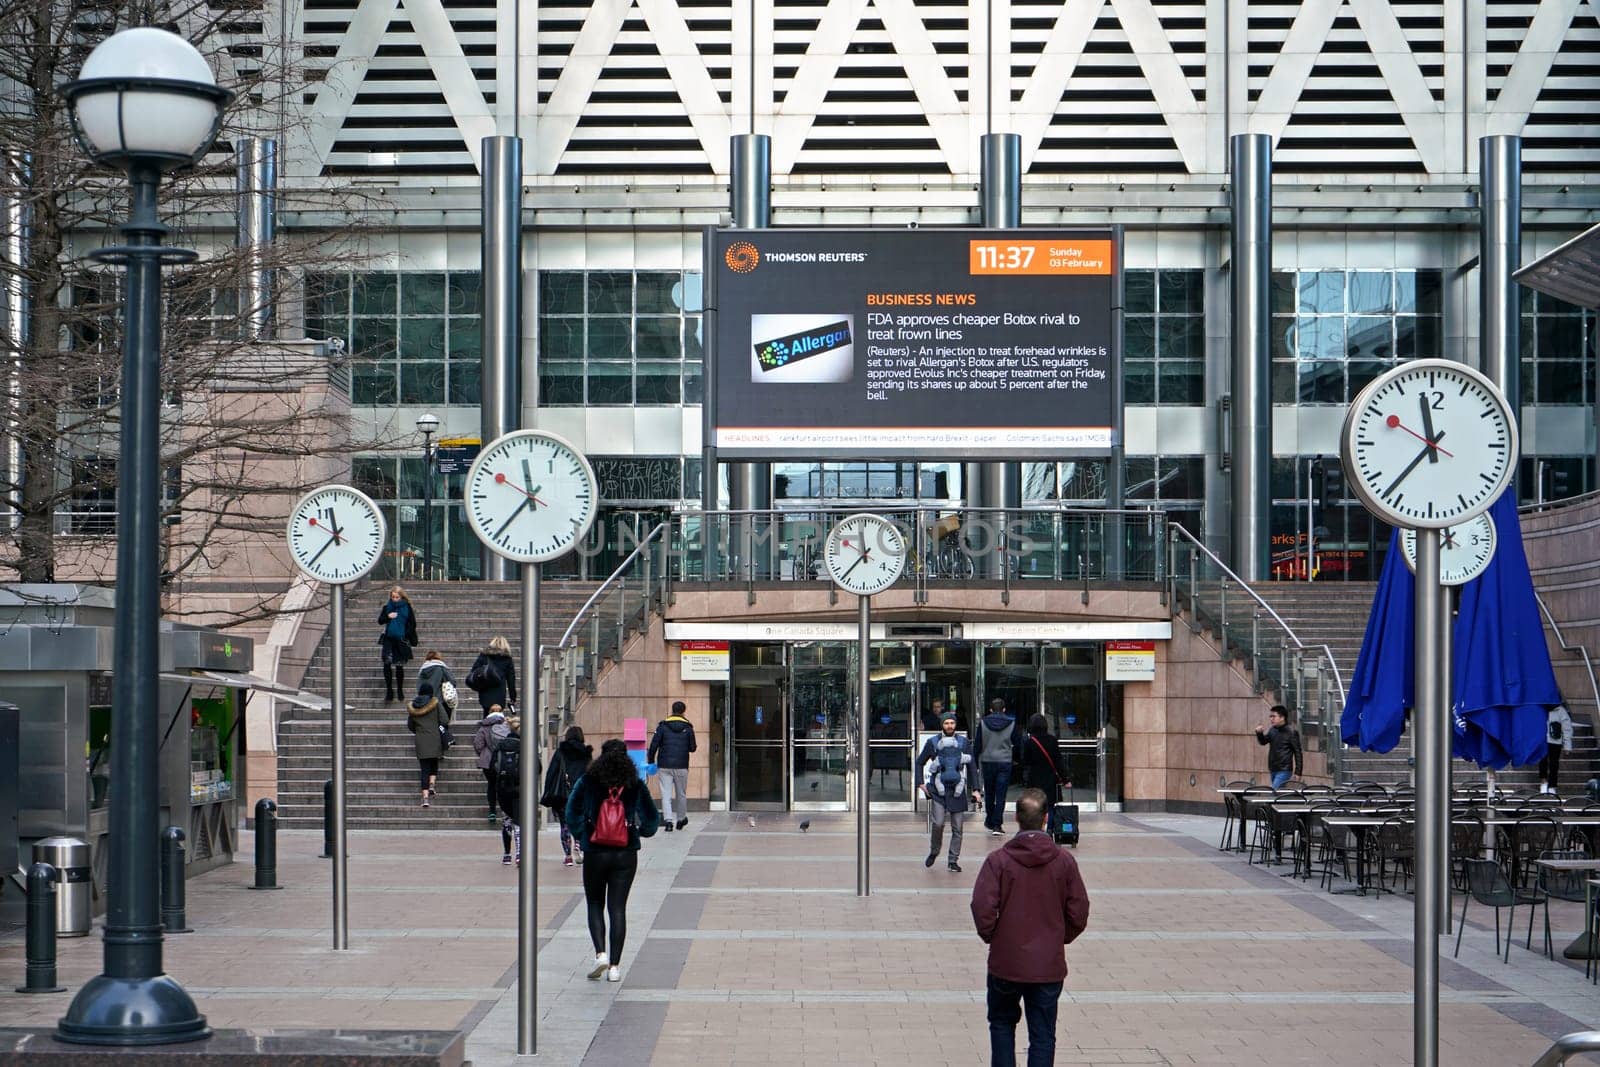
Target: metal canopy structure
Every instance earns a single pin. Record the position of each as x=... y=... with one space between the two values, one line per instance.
x=1570 y=273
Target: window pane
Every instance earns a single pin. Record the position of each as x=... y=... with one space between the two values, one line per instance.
x=422 y=383
x=372 y=338
x=560 y=339
x=421 y=338
x=1083 y=480
x=1322 y=382
x=1369 y=337
x=1139 y=381
x=610 y=383
x=1283 y=381
x=1370 y=292
x=1560 y=337
x=692 y=294
x=373 y=476
x=1281 y=290
x=466 y=292
x=1182 y=381
x=611 y=293
x=609 y=339
x=561 y=292
x=1284 y=477
x=1419 y=291
x=373 y=294
x=1180 y=291
x=1139 y=292
x=1560 y=382
x=657 y=383
x=1183 y=479
x=560 y=383
x=1182 y=337
x=466 y=339
x=1321 y=291
x=372 y=383
x=464 y=383
x=658 y=337
x=692 y=334
x=421 y=294
x=693 y=384
x=1140 y=474
x=1320 y=338
x=656 y=292
x=327 y=295
x=1282 y=337
x=1363 y=371
x=1139 y=337
x=1554 y=305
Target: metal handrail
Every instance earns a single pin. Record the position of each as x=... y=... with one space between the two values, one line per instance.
x=1588 y=665
x=1567 y=1046
x=1338 y=679
x=1536 y=506
x=617 y=576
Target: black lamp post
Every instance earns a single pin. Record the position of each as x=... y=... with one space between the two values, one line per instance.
x=146 y=102
x=427 y=425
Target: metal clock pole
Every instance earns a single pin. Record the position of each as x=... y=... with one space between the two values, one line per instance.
x=863 y=841
x=341 y=855
x=1447 y=702
x=527 y=818
x=1428 y=717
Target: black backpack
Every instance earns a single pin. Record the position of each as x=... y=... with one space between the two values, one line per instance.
x=507 y=765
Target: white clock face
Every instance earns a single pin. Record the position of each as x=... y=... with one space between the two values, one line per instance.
x=1464 y=550
x=530 y=496
x=336 y=534
x=1431 y=443
x=865 y=554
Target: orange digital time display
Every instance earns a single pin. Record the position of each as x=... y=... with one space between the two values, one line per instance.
x=1058 y=257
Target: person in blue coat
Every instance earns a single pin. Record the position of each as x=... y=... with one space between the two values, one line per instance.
x=397 y=638
x=609 y=868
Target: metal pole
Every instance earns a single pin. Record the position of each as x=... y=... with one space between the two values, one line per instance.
x=257 y=184
x=527 y=819
x=1447 y=733
x=996 y=485
x=1427 y=719
x=1311 y=517
x=750 y=484
x=1499 y=254
x=133 y=1002
x=15 y=218
x=427 y=507
x=500 y=406
x=1251 y=160
x=863 y=841
x=341 y=851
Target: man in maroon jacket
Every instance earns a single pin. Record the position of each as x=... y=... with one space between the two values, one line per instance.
x=1028 y=899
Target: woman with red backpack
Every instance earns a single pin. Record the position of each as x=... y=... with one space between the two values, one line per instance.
x=608 y=812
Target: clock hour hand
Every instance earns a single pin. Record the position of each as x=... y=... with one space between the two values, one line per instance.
x=1424 y=454
x=1427 y=427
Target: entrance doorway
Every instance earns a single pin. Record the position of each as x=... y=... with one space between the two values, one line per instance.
x=795 y=727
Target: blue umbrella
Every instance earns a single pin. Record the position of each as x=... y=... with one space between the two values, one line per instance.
x=1502 y=682
x=1381 y=687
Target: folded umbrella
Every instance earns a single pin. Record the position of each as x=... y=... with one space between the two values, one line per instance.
x=1381 y=687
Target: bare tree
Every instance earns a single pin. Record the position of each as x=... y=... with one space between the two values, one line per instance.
x=247 y=423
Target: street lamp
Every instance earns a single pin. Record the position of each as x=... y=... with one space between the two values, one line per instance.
x=146 y=102
x=427 y=425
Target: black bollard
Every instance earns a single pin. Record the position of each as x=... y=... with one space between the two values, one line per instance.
x=172 y=882
x=327 y=820
x=266 y=845
x=41 y=947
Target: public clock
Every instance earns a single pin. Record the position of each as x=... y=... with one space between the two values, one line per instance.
x=1430 y=444
x=865 y=554
x=336 y=534
x=530 y=496
x=1464 y=550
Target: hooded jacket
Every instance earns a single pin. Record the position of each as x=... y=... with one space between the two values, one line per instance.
x=505 y=690
x=425 y=718
x=1028 y=902
x=490 y=731
x=997 y=738
x=583 y=807
x=572 y=759
x=434 y=674
x=672 y=743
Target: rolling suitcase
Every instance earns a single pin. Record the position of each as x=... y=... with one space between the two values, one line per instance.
x=1064 y=822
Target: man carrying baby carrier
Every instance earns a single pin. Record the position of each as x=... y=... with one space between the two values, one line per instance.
x=949 y=779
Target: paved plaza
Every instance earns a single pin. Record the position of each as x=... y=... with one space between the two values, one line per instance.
x=747 y=945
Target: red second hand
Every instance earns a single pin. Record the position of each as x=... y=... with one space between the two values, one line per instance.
x=331 y=533
x=503 y=480
x=1394 y=422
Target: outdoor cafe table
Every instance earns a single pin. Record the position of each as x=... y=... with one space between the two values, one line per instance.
x=1583 y=948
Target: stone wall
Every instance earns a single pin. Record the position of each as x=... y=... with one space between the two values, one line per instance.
x=1561 y=543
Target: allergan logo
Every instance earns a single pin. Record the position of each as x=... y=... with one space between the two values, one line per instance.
x=782 y=351
x=742 y=257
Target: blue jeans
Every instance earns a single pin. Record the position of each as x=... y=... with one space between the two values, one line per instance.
x=1038 y=999
x=1279 y=777
x=996 y=780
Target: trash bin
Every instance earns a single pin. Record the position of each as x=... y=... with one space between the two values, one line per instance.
x=70 y=858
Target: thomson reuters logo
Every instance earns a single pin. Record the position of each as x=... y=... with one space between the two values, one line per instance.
x=742 y=257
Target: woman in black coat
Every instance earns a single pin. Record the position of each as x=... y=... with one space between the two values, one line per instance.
x=494 y=676
x=398 y=636
x=608 y=870
x=1042 y=765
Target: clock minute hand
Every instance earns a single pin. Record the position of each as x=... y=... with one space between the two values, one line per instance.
x=1428 y=450
x=527 y=502
x=325 y=546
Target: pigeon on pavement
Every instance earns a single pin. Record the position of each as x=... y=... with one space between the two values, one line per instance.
x=804 y=826
x=752 y=820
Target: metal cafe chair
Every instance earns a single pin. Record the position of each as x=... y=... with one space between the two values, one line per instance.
x=1272 y=827
x=1232 y=811
x=1489 y=885
x=1396 y=843
x=1466 y=843
x=1527 y=838
x=1256 y=814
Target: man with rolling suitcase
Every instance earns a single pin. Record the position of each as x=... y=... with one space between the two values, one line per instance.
x=1028 y=900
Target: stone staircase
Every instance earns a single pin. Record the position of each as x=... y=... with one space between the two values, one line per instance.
x=458 y=619
x=1335 y=614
